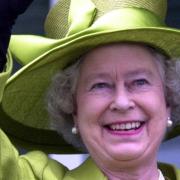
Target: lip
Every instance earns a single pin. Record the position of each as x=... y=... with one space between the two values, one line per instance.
x=125 y=132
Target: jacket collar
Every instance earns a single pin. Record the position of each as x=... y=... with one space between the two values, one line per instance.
x=88 y=170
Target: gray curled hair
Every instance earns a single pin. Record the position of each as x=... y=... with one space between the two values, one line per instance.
x=172 y=86
x=61 y=101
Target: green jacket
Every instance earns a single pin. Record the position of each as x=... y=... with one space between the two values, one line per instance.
x=37 y=165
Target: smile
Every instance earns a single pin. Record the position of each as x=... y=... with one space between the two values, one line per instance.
x=126 y=126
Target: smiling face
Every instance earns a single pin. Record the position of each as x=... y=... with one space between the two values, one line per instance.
x=121 y=109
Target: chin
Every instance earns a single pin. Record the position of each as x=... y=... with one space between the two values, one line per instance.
x=128 y=153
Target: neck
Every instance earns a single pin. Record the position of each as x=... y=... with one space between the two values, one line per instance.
x=123 y=175
x=148 y=171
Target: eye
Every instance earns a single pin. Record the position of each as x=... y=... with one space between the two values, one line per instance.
x=140 y=82
x=101 y=85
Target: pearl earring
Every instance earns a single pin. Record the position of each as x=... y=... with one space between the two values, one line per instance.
x=169 y=122
x=74 y=130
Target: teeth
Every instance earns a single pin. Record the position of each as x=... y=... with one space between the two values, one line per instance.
x=133 y=125
x=128 y=126
x=137 y=124
x=122 y=126
x=125 y=126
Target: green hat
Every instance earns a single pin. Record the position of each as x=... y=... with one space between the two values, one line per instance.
x=73 y=28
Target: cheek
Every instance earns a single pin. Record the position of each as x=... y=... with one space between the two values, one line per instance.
x=91 y=107
x=155 y=106
x=155 y=99
x=89 y=115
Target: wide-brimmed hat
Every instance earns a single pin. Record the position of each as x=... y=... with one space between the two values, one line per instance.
x=73 y=28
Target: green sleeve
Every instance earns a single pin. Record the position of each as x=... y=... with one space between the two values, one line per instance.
x=35 y=165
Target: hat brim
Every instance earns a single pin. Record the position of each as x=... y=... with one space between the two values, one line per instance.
x=23 y=106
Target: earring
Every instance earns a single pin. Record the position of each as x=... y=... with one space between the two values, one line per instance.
x=74 y=130
x=169 y=122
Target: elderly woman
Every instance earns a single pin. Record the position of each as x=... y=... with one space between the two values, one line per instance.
x=115 y=96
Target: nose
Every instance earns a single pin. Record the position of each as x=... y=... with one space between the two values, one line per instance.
x=122 y=101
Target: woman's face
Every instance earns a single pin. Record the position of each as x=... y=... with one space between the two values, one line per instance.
x=121 y=109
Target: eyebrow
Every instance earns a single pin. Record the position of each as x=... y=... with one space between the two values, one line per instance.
x=139 y=72
x=96 y=76
x=129 y=74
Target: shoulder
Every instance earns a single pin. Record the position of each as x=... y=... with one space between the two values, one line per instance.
x=88 y=171
x=42 y=166
x=170 y=171
x=33 y=165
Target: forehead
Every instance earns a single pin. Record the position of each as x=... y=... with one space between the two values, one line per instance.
x=122 y=55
